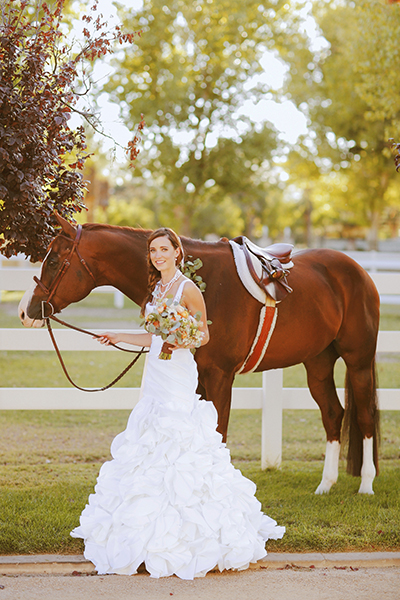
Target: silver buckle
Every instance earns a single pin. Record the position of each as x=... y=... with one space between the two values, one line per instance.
x=44 y=317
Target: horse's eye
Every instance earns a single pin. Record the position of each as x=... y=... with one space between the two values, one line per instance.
x=52 y=263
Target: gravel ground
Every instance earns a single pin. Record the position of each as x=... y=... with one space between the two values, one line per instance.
x=299 y=584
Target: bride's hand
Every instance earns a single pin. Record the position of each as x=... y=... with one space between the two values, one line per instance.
x=173 y=347
x=168 y=347
x=107 y=338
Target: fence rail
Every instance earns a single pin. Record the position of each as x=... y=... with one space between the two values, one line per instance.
x=18 y=279
x=68 y=340
x=272 y=398
x=15 y=275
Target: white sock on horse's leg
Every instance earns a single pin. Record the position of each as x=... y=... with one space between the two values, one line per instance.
x=368 y=470
x=331 y=467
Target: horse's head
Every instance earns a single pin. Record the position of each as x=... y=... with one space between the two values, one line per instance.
x=65 y=277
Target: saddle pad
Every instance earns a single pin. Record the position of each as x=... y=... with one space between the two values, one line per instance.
x=244 y=275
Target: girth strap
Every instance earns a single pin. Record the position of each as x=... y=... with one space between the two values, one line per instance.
x=266 y=326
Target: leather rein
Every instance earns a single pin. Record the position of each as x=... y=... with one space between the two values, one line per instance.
x=50 y=293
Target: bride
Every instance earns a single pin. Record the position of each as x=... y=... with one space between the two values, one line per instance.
x=170 y=497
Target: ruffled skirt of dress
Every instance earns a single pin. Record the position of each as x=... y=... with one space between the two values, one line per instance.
x=170 y=497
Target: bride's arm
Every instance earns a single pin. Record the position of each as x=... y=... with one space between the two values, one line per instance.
x=193 y=299
x=136 y=339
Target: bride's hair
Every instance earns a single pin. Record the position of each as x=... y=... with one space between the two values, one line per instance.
x=154 y=274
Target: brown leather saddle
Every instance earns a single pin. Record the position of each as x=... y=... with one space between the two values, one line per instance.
x=275 y=261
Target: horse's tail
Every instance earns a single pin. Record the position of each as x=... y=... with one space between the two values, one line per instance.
x=351 y=433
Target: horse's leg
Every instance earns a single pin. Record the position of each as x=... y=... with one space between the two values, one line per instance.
x=323 y=390
x=356 y=343
x=201 y=391
x=368 y=470
x=362 y=422
x=218 y=388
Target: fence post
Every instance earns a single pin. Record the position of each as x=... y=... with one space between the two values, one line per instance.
x=374 y=261
x=118 y=299
x=271 y=427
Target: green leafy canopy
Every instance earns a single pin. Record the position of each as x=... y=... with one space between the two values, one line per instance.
x=207 y=169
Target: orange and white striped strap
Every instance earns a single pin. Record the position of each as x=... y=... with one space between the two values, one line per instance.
x=266 y=326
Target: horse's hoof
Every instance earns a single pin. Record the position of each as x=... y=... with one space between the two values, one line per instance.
x=323 y=488
x=366 y=489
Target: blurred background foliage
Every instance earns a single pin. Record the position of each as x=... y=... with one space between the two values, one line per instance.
x=209 y=168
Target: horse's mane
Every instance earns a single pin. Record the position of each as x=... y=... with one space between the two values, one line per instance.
x=97 y=226
x=144 y=232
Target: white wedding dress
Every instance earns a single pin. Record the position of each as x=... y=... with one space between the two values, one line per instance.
x=170 y=497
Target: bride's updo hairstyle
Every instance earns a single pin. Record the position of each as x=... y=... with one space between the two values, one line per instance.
x=154 y=274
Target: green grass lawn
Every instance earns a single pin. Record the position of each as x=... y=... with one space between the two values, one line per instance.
x=49 y=460
x=94 y=369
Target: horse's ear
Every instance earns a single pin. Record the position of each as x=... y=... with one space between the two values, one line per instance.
x=67 y=227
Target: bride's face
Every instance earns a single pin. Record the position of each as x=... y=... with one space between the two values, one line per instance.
x=162 y=254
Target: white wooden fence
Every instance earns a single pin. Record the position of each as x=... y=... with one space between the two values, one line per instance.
x=15 y=276
x=272 y=398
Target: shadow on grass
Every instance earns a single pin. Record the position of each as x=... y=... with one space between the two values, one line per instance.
x=342 y=520
x=49 y=461
x=38 y=514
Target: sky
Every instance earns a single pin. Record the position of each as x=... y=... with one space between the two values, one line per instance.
x=287 y=119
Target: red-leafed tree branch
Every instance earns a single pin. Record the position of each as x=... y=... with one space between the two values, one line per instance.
x=396 y=146
x=41 y=157
x=396 y=149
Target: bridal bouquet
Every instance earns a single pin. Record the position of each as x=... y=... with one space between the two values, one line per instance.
x=175 y=325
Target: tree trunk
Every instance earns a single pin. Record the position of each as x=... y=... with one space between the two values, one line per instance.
x=374 y=231
x=308 y=222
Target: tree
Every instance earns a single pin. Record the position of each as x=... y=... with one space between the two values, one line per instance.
x=396 y=148
x=326 y=85
x=41 y=158
x=376 y=61
x=190 y=76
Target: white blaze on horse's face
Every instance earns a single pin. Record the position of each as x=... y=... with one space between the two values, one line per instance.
x=25 y=302
x=23 y=307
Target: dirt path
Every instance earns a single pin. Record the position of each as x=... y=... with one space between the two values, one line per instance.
x=299 y=584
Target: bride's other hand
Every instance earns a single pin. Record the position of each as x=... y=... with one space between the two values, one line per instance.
x=176 y=346
x=107 y=338
x=168 y=347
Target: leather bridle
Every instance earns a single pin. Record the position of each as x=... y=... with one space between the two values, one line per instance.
x=50 y=292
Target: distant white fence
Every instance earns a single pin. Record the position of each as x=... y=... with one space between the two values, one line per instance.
x=272 y=398
x=19 y=277
x=16 y=275
x=374 y=261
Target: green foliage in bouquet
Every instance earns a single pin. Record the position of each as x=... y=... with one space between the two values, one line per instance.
x=190 y=269
x=175 y=325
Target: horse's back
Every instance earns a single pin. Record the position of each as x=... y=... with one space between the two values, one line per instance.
x=333 y=298
x=360 y=304
x=334 y=271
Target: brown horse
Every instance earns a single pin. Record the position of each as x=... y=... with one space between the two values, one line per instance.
x=333 y=312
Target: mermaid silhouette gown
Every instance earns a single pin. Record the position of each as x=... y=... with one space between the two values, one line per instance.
x=170 y=497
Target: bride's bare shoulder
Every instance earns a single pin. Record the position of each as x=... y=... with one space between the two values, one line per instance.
x=189 y=284
x=191 y=292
